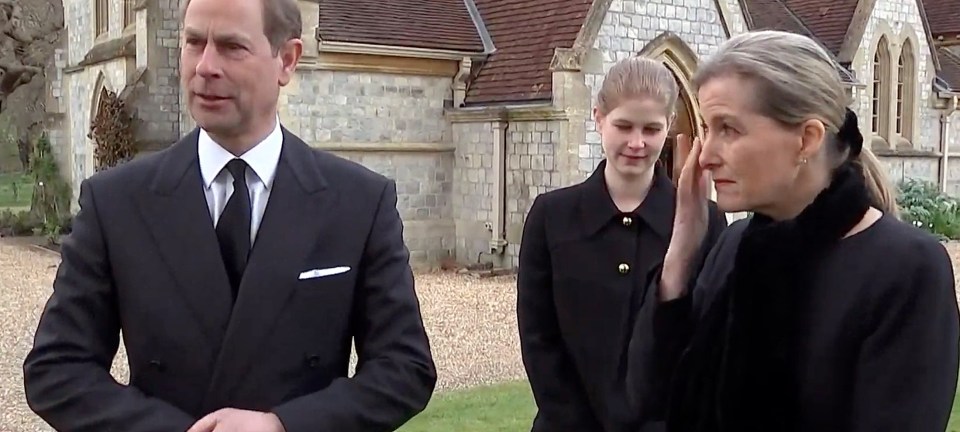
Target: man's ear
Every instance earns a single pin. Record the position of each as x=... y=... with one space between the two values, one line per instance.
x=289 y=56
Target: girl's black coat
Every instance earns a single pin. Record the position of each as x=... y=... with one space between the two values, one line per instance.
x=584 y=267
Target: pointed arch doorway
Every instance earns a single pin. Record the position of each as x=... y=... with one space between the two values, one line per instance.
x=682 y=62
x=673 y=155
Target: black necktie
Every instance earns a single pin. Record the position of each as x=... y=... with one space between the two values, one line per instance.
x=233 y=227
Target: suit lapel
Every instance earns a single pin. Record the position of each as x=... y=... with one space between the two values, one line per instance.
x=177 y=216
x=296 y=213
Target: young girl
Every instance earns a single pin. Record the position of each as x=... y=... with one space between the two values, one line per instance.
x=586 y=252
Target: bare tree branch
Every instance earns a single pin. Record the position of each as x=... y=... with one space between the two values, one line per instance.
x=28 y=30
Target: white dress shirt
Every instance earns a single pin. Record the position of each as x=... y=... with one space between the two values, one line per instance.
x=218 y=183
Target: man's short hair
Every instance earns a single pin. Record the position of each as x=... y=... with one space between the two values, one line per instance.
x=281 y=21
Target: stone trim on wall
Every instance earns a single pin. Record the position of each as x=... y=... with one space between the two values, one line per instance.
x=353 y=62
x=912 y=90
x=111 y=49
x=383 y=50
x=908 y=153
x=540 y=112
x=858 y=25
x=405 y=147
x=883 y=37
x=682 y=61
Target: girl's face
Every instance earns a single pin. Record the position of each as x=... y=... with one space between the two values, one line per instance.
x=632 y=135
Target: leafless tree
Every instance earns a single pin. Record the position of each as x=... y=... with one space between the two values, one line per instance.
x=28 y=32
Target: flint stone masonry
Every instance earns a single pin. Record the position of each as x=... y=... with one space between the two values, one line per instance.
x=629 y=26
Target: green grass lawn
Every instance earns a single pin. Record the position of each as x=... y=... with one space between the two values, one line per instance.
x=954 y=425
x=506 y=408
x=15 y=191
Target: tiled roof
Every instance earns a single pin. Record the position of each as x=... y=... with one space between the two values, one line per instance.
x=434 y=24
x=950 y=66
x=772 y=15
x=525 y=33
x=783 y=15
x=827 y=19
x=943 y=16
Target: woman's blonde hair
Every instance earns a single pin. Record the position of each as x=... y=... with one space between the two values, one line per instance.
x=798 y=80
x=638 y=77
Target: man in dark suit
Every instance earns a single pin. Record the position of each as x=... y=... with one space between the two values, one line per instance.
x=238 y=264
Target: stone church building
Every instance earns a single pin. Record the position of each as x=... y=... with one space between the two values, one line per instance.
x=476 y=106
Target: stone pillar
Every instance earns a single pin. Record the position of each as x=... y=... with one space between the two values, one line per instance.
x=310 y=14
x=570 y=95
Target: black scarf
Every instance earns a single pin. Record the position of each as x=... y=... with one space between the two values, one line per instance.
x=739 y=373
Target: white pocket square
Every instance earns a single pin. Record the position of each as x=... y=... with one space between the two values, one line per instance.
x=315 y=273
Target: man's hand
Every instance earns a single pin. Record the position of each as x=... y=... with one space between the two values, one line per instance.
x=235 y=420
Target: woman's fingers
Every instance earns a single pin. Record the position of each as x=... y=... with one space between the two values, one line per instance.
x=690 y=176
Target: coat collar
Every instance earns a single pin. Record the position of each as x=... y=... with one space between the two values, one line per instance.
x=597 y=208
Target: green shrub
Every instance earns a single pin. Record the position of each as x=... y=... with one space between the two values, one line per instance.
x=922 y=204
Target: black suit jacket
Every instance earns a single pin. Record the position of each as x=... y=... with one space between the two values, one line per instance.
x=143 y=258
x=584 y=269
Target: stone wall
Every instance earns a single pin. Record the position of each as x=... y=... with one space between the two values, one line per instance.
x=158 y=27
x=630 y=25
x=424 y=201
x=84 y=87
x=901 y=168
x=531 y=169
x=899 y=21
x=473 y=189
x=57 y=110
x=156 y=35
x=363 y=107
x=392 y=124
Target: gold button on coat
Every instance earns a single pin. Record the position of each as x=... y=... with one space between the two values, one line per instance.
x=624 y=268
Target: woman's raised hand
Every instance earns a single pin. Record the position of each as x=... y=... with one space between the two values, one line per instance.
x=690 y=222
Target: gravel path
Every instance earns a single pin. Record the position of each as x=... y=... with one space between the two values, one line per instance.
x=463 y=314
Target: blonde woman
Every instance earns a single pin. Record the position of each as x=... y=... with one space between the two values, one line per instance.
x=823 y=311
x=585 y=251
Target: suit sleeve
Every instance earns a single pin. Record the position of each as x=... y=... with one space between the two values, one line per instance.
x=396 y=374
x=907 y=371
x=67 y=373
x=561 y=401
x=663 y=330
